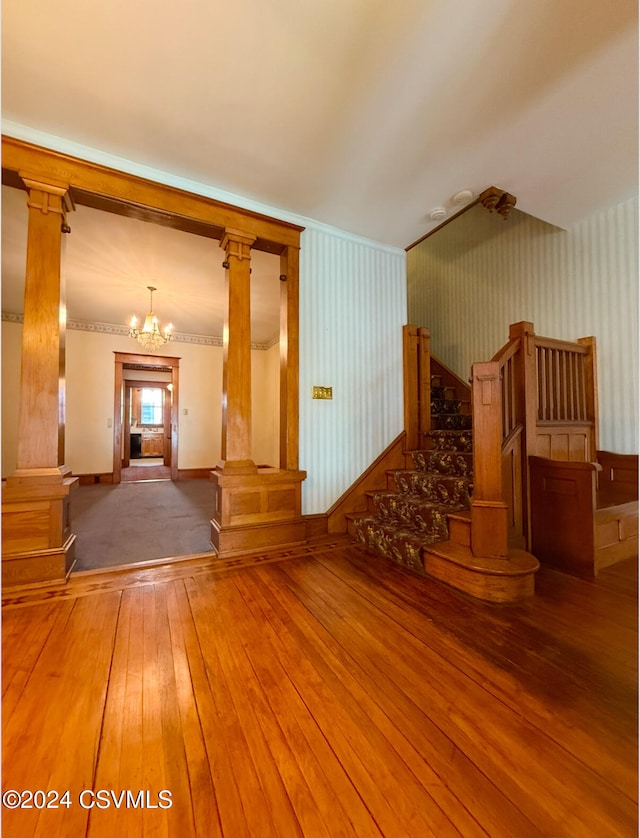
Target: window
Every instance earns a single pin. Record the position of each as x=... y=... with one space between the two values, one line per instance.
x=151 y=406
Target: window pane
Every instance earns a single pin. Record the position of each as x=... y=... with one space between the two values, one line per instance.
x=151 y=406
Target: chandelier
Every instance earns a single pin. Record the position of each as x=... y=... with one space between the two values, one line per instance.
x=149 y=336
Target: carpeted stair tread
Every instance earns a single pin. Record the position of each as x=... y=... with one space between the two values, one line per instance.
x=444 y=439
x=438 y=488
x=452 y=421
x=400 y=544
x=442 y=461
x=439 y=406
x=414 y=512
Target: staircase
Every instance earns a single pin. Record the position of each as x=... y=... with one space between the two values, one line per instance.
x=423 y=519
x=430 y=498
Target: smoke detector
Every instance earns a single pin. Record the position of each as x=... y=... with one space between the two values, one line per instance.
x=437 y=214
x=462 y=197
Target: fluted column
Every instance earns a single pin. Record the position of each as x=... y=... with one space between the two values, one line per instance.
x=236 y=374
x=42 y=387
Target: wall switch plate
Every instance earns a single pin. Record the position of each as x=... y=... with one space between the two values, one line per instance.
x=322 y=392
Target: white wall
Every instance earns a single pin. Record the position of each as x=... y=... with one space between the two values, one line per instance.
x=352 y=309
x=265 y=406
x=480 y=273
x=11 y=354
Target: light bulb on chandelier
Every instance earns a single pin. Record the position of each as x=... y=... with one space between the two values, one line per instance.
x=149 y=336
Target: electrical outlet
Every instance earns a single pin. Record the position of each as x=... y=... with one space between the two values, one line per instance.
x=322 y=392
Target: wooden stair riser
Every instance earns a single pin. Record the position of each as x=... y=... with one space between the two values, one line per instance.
x=503 y=585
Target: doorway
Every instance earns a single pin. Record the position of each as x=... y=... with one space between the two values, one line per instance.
x=146 y=431
x=145 y=422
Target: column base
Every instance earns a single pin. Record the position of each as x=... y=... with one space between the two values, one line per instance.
x=40 y=567
x=236 y=467
x=257 y=511
x=38 y=476
x=37 y=543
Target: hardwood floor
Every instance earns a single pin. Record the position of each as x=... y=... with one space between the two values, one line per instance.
x=328 y=694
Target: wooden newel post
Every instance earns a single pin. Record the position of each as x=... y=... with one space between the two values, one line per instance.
x=236 y=373
x=37 y=539
x=489 y=512
x=416 y=349
x=526 y=396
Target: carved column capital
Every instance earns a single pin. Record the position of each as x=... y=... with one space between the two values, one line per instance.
x=237 y=243
x=47 y=195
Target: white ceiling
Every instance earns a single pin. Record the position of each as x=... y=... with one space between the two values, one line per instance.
x=362 y=114
x=110 y=260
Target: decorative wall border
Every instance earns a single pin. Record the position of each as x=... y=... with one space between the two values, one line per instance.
x=117 y=329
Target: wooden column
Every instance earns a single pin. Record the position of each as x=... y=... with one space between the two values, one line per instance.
x=256 y=508
x=236 y=371
x=37 y=540
x=42 y=394
x=289 y=357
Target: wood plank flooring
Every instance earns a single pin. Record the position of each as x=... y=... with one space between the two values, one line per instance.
x=321 y=692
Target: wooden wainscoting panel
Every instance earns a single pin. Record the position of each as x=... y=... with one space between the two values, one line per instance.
x=25 y=526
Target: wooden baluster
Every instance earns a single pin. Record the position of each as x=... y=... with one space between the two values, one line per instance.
x=542 y=385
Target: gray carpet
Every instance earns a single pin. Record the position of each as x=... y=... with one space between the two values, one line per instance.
x=134 y=522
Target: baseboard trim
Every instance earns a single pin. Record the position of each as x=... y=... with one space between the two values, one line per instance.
x=195 y=473
x=91 y=479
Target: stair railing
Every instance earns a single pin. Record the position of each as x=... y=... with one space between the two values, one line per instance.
x=536 y=397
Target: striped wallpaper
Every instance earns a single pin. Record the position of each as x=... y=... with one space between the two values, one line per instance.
x=470 y=280
x=352 y=309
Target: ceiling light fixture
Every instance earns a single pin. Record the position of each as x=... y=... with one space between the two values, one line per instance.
x=149 y=336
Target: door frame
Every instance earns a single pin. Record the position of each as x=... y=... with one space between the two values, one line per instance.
x=127 y=360
x=130 y=384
